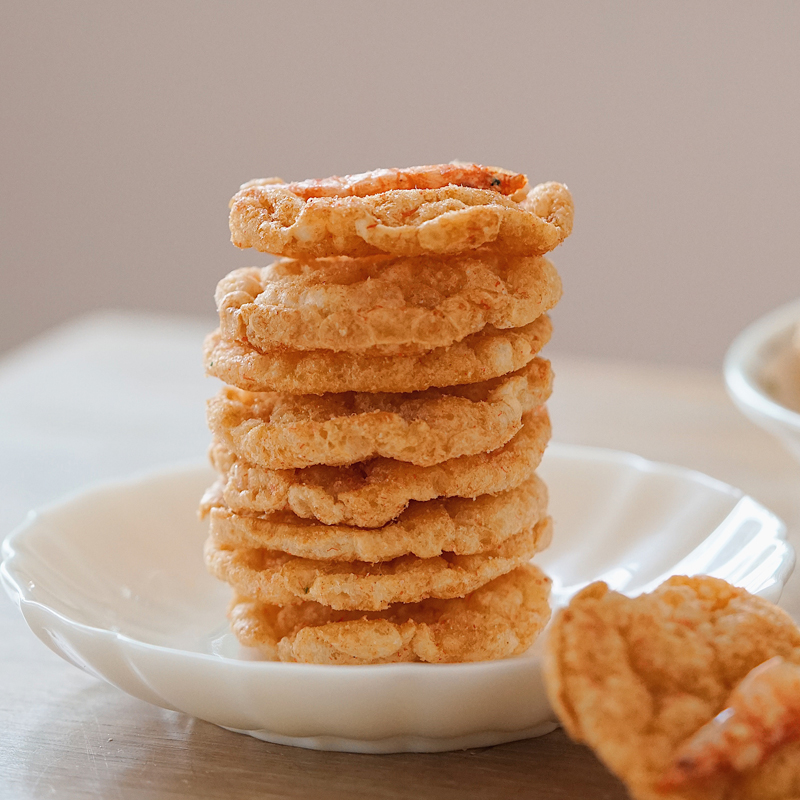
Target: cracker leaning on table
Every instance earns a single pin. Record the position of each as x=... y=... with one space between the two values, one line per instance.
x=637 y=678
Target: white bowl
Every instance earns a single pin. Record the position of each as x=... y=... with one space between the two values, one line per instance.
x=113 y=580
x=757 y=358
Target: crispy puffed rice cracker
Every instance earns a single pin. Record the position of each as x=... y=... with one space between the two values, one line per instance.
x=454 y=525
x=635 y=679
x=280 y=579
x=371 y=493
x=500 y=619
x=479 y=357
x=277 y=431
x=380 y=305
x=423 y=210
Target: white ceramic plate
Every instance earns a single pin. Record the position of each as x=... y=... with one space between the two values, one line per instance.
x=112 y=579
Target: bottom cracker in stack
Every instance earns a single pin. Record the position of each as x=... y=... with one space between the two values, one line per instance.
x=500 y=619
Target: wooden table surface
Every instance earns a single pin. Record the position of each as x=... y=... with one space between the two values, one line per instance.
x=112 y=394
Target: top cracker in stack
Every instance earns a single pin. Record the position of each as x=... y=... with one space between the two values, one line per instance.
x=384 y=415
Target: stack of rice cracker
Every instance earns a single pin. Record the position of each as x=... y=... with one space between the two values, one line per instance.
x=383 y=415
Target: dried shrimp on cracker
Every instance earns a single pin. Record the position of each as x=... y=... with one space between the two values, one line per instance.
x=454 y=525
x=498 y=620
x=281 y=579
x=371 y=493
x=756 y=735
x=383 y=305
x=635 y=679
x=478 y=357
x=279 y=431
x=438 y=211
x=432 y=176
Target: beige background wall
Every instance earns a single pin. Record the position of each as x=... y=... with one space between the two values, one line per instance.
x=127 y=126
